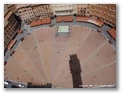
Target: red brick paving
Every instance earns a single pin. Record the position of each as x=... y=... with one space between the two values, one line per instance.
x=44 y=58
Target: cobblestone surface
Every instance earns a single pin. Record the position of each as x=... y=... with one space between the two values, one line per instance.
x=27 y=29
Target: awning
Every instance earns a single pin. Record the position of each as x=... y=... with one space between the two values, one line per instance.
x=11 y=44
x=96 y=22
x=112 y=32
x=20 y=31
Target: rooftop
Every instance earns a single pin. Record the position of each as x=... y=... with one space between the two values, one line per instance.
x=10 y=5
x=22 y=5
x=7 y=14
x=5 y=23
x=112 y=32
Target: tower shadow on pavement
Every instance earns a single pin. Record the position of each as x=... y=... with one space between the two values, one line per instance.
x=75 y=70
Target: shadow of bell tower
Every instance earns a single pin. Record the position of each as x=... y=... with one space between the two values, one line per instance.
x=75 y=70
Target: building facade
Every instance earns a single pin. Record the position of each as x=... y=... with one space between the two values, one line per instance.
x=42 y=10
x=11 y=26
x=82 y=9
x=64 y=9
x=31 y=12
x=25 y=13
x=104 y=12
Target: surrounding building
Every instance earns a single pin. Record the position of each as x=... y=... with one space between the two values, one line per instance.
x=25 y=13
x=11 y=7
x=11 y=26
x=81 y=9
x=64 y=9
x=42 y=10
x=31 y=12
x=104 y=12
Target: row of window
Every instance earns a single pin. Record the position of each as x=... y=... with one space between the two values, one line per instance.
x=29 y=9
x=82 y=8
x=46 y=10
x=28 y=20
x=11 y=19
x=108 y=7
x=30 y=14
x=97 y=11
x=101 y=10
x=8 y=36
x=42 y=6
x=24 y=10
x=6 y=41
x=26 y=15
x=103 y=16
